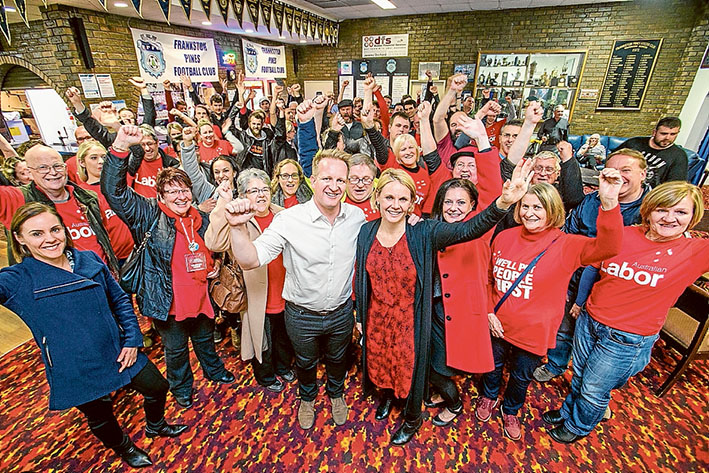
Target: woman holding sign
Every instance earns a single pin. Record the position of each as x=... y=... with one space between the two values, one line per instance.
x=530 y=270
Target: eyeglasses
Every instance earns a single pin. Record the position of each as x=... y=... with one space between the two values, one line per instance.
x=465 y=166
x=262 y=191
x=543 y=170
x=286 y=177
x=44 y=169
x=364 y=180
x=509 y=135
x=175 y=192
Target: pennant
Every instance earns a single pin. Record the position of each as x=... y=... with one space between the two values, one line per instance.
x=297 y=19
x=278 y=16
x=313 y=26
x=321 y=27
x=137 y=4
x=266 y=8
x=224 y=10
x=288 y=15
x=336 y=34
x=4 y=25
x=238 y=7
x=165 y=7
x=22 y=10
x=305 y=23
x=206 y=7
x=187 y=8
x=327 y=33
x=102 y=2
x=252 y=7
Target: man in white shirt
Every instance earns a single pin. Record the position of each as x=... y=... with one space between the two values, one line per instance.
x=318 y=240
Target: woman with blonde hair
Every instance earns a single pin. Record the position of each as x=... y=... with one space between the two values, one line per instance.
x=394 y=289
x=627 y=308
x=89 y=160
x=289 y=186
x=592 y=153
x=530 y=270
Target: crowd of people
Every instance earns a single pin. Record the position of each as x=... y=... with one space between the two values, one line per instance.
x=430 y=234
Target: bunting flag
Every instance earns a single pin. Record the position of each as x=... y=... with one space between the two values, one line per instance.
x=305 y=22
x=335 y=34
x=224 y=10
x=321 y=27
x=22 y=10
x=288 y=15
x=187 y=8
x=102 y=2
x=206 y=7
x=278 y=16
x=4 y=25
x=238 y=7
x=313 y=26
x=266 y=8
x=297 y=19
x=252 y=7
x=327 y=33
x=137 y=4
x=165 y=7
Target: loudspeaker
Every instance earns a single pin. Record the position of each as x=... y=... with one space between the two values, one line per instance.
x=82 y=42
x=295 y=61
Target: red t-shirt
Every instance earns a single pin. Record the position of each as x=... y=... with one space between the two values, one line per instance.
x=532 y=313
x=81 y=232
x=370 y=213
x=639 y=285
x=275 y=303
x=493 y=131
x=118 y=232
x=72 y=169
x=219 y=148
x=144 y=183
x=289 y=202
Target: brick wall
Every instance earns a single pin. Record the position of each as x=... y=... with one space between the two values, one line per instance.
x=48 y=46
x=456 y=38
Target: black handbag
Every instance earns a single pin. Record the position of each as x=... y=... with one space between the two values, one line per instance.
x=130 y=276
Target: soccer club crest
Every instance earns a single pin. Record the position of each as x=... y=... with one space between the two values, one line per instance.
x=391 y=66
x=251 y=59
x=152 y=60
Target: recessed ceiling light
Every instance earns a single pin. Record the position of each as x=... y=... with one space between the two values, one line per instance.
x=303 y=41
x=249 y=30
x=385 y=4
x=120 y=5
x=206 y=23
x=10 y=9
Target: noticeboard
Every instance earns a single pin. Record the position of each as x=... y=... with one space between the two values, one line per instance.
x=629 y=70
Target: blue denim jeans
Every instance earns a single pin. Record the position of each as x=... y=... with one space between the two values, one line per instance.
x=308 y=332
x=559 y=356
x=604 y=359
x=522 y=364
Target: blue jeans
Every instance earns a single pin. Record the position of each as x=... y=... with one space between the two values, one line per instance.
x=175 y=338
x=604 y=359
x=522 y=364
x=308 y=331
x=559 y=356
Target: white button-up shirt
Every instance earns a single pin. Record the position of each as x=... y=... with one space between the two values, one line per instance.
x=318 y=256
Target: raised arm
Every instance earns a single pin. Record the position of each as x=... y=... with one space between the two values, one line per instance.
x=570 y=183
x=341 y=92
x=6 y=148
x=532 y=116
x=238 y=213
x=202 y=189
x=380 y=144
x=609 y=221
x=383 y=109
x=428 y=144
x=97 y=131
x=456 y=85
x=217 y=238
x=146 y=99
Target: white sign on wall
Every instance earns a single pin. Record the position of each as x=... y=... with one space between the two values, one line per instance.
x=264 y=62
x=385 y=45
x=164 y=56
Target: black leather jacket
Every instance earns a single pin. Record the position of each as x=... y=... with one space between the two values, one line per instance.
x=139 y=213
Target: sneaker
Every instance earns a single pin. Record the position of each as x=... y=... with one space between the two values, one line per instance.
x=339 y=410
x=306 y=414
x=483 y=411
x=276 y=387
x=288 y=377
x=511 y=425
x=542 y=374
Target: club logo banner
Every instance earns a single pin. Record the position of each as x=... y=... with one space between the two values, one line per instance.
x=264 y=62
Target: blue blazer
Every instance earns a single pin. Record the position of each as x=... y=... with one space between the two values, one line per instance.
x=80 y=321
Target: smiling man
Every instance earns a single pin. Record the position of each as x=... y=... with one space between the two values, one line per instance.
x=318 y=241
x=360 y=185
x=665 y=160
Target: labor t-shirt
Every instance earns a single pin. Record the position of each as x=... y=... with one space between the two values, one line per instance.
x=146 y=176
x=80 y=230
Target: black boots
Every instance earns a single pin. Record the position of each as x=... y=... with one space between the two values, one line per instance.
x=406 y=432
x=384 y=408
x=131 y=454
x=165 y=430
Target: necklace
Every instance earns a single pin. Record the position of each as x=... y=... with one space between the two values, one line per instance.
x=192 y=244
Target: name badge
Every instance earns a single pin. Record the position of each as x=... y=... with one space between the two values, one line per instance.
x=195 y=262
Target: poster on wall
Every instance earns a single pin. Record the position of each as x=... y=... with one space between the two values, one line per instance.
x=105 y=85
x=163 y=56
x=89 y=86
x=467 y=69
x=391 y=73
x=385 y=45
x=629 y=70
x=264 y=62
x=433 y=67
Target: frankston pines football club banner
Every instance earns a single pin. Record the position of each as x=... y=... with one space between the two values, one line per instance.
x=164 y=56
x=264 y=62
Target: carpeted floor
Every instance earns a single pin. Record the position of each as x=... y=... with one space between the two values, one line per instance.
x=241 y=428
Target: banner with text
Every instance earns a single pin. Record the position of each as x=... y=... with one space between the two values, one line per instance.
x=264 y=62
x=385 y=45
x=164 y=56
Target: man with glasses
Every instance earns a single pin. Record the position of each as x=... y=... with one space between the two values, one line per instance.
x=360 y=185
x=90 y=221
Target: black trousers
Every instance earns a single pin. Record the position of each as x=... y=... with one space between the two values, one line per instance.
x=99 y=412
x=278 y=356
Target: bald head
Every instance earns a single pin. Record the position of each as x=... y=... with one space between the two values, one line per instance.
x=81 y=135
x=48 y=171
x=454 y=124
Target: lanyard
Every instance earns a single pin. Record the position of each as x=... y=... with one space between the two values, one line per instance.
x=192 y=245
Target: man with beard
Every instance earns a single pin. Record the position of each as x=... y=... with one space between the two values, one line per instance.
x=665 y=160
x=353 y=129
x=256 y=140
x=446 y=133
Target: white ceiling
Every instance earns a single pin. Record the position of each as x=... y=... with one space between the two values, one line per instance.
x=331 y=9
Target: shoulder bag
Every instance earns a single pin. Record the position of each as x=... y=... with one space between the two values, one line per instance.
x=130 y=276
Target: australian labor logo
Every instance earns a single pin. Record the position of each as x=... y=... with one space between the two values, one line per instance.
x=251 y=59
x=152 y=60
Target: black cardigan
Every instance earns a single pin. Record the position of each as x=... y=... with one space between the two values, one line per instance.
x=424 y=240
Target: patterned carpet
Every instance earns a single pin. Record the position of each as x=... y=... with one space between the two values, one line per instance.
x=241 y=428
